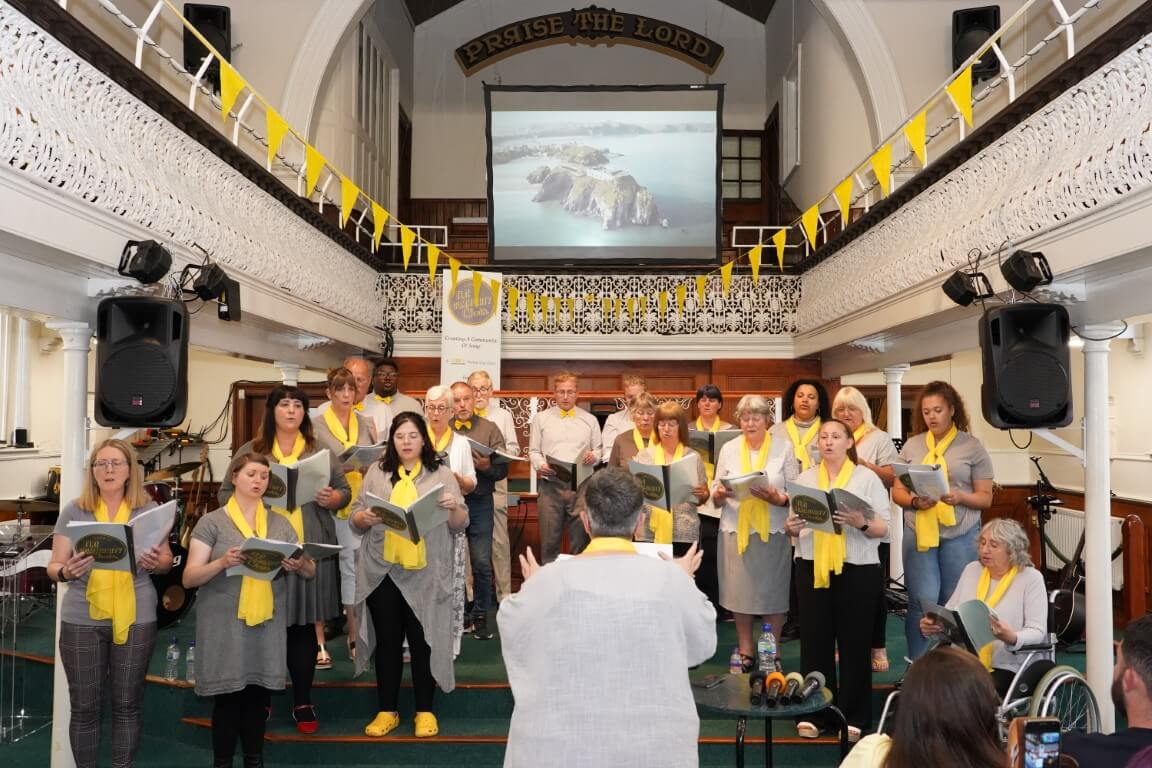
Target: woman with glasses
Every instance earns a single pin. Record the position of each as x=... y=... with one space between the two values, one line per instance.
x=107 y=618
x=709 y=401
x=641 y=437
x=679 y=526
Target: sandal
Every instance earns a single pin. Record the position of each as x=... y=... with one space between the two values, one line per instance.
x=880 y=660
x=747 y=663
x=853 y=734
x=323 y=659
x=807 y=730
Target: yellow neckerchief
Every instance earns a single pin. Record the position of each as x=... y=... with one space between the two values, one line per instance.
x=256 y=604
x=709 y=467
x=981 y=594
x=386 y=399
x=860 y=433
x=660 y=520
x=800 y=444
x=753 y=513
x=463 y=423
x=928 y=521
x=347 y=438
x=441 y=445
x=609 y=544
x=567 y=414
x=398 y=549
x=830 y=549
x=638 y=439
x=481 y=412
x=295 y=517
x=112 y=594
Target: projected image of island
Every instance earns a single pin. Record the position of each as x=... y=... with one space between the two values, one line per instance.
x=603 y=184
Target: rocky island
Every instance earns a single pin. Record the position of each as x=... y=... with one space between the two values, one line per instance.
x=616 y=199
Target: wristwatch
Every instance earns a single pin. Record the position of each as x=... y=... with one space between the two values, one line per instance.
x=60 y=578
x=863 y=528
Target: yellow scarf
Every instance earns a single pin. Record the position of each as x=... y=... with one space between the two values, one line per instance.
x=830 y=549
x=112 y=594
x=295 y=516
x=860 y=433
x=660 y=520
x=638 y=439
x=928 y=521
x=753 y=513
x=709 y=467
x=800 y=444
x=347 y=439
x=441 y=445
x=981 y=594
x=608 y=544
x=398 y=549
x=256 y=604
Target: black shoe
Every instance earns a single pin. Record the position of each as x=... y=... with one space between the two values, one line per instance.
x=480 y=629
x=790 y=631
x=221 y=762
x=253 y=761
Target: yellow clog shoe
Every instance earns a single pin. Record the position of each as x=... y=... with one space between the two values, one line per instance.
x=383 y=724
x=426 y=725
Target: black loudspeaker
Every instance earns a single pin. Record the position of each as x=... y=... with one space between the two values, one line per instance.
x=141 y=362
x=1026 y=368
x=214 y=22
x=971 y=28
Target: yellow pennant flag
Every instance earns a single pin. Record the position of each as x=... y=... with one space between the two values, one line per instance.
x=313 y=163
x=843 y=193
x=379 y=219
x=916 y=131
x=454 y=266
x=494 y=286
x=681 y=297
x=882 y=167
x=530 y=305
x=701 y=286
x=606 y=306
x=960 y=90
x=663 y=302
x=643 y=305
x=726 y=278
x=477 y=281
x=407 y=237
x=754 y=261
x=780 y=239
x=632 y=308
x=231 y=84
x=616 y=304
x=570 y=307
x=513 y=298
x=349 y=194
x=433 y=259
x=810 y=220
x=277 y=130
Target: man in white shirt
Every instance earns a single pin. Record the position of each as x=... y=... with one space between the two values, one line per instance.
x=621 y=421
x=568 y=434
x=486 y=406
x=385 y=388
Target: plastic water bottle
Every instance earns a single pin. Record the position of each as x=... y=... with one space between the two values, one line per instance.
x=766 y=650
x=735 y=663
x=172 y=660
x=190 y=663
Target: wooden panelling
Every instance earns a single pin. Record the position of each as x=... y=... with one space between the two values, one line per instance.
x=248 y=405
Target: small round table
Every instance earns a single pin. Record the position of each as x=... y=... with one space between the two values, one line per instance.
x=732 y=697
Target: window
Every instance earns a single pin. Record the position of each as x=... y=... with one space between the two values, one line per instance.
x=740 y=166
x=373 y=96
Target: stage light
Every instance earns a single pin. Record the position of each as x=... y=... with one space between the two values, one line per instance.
x=144 y=260
x=1024 y=270
x=964 y=287
x=210 y=282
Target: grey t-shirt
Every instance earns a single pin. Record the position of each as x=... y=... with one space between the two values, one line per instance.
x=967 y=461
x=75 y=607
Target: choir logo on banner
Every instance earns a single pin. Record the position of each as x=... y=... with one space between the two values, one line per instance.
x=471 y=329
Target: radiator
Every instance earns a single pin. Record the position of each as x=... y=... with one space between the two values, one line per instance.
x=1064 y=529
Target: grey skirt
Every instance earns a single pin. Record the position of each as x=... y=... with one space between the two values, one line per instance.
x=318 y=598
x=756 y=582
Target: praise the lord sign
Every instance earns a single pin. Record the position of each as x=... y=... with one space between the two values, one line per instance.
x=589 y=26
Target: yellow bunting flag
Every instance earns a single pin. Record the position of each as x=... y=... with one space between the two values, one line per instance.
x=779 y=240
x=570 y=307
x=643 y=305
x=494 y=286
x=681 y=297
x=513 y=298
x=701 y=286
x=379 y=219
x=663 y=303
x=349 y=194
x=433 y=260
x=616 y=304
x=231 y=84
x=882 y=167
x=843 y=193
x=726 y=278
x=477 y=282
x=454 y=267
x=916 y=131
x=809 y=221
x=277 y=129
x=632 y=308
x=606 y=306
x=530 y=305
x=313 y=163
x=960 y=90
x=754 y=261
x=407 y=237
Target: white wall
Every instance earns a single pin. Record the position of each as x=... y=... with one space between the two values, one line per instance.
x=448 y=152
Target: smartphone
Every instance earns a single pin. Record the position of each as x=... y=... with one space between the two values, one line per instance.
x=1042 y=743
x=708 y=682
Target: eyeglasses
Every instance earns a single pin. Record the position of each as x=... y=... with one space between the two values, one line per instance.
x=483 y=390
x=437 y=408
x=109 y=464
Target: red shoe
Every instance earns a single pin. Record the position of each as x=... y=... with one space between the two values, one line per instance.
x=305 y=717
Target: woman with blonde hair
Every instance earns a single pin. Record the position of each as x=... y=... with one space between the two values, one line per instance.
x=107 y=618
x=641 y=436
x=679 y=526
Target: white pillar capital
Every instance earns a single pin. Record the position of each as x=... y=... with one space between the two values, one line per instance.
x=894 y=374
x=1098 y=337
x=77 y=336
x=289 y=372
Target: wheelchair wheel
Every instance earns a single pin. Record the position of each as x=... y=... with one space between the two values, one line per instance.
x=1063 y=693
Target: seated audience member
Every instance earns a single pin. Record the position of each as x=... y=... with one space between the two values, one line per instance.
x=598 y=646
x=1131 y=688
x=945 y=718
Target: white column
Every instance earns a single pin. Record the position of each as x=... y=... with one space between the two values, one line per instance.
x=1097 y=520
x=5 y=368
x=22 y=379
x=289 y=372
x=73 y=455
x=893 y=378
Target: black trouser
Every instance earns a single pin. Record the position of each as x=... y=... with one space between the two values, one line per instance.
x=706 y=578
x=879 y=628
x=302 y=649
x=840 y=616
x=392 y=621
x=239 y=715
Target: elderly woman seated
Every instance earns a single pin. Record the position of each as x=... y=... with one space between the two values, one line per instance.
x=1005 y=580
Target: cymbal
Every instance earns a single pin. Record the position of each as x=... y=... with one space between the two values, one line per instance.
x=172 y=472
x=27 y=506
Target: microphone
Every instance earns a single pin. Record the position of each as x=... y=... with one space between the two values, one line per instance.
x=756 y=683
x=795 y=680
x=774 y=683
x=813 y=682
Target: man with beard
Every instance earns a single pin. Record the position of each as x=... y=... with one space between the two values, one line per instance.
x=1131 y=689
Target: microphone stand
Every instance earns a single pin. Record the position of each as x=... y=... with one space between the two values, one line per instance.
x=1041 y=503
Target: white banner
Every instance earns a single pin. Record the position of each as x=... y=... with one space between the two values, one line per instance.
x=470 y=334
